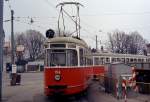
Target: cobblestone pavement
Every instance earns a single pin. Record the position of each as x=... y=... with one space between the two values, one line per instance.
x=31 y=90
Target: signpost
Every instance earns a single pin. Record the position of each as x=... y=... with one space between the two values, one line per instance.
x=14 y=69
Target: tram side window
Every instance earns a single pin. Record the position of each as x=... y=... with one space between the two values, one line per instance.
x=107 y=60
x=48 y=60
x=81 y=57
x=88 y=61
x=142 y=60
x=148 y=59
x=127 y=60
x=96 y=61
x=139 y=60
x=102 y=60
x=135 y=60
x=123 y=60
x=45 y=60
x=56 y=57
x=114 y=59
x=118 y=60
x=72 y=58
x=131 y=60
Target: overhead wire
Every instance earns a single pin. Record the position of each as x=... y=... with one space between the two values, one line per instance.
x=118 y=13
x=29 y=23
x=28 y=17
x=51 y=5
x=6 y=20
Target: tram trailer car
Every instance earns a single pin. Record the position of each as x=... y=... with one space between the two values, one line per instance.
x=67 y=70
x=105 y=58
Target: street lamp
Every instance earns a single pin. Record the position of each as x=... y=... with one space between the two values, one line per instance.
x=101 y=46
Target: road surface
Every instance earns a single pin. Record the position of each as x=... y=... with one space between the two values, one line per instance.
x=31 y=90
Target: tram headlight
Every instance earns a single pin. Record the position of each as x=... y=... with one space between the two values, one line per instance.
x=57 y=77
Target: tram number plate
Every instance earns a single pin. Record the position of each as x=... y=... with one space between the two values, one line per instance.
x=57 y=72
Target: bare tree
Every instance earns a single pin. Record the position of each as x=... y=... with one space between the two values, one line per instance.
x=33 y=42
x=20 y=38
x=121 y=42
x=137 y=43
x=118 y=41
x=111 y=42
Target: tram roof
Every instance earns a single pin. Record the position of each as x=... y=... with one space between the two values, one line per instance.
x=67 y=40
x=118 y=55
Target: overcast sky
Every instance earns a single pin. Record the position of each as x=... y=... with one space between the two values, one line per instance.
x=97 y=16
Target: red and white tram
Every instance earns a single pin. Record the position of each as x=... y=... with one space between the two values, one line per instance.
x=68 y=66
x=67 y=69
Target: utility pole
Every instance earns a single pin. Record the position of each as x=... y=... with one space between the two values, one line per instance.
x=96 y=43
x=1 y=46
x=12 y=39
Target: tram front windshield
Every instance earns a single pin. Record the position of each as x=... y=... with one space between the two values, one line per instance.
x=62 y=57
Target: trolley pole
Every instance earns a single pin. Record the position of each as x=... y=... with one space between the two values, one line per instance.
x=12 y=39
x=1 y=46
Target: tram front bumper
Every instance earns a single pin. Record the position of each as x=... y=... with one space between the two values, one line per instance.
x=57 y=87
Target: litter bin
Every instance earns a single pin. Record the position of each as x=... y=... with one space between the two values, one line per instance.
x=16 y=79
x=41 y=68
x=13 y=79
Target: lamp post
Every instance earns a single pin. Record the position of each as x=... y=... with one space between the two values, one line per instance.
x=101 y=46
